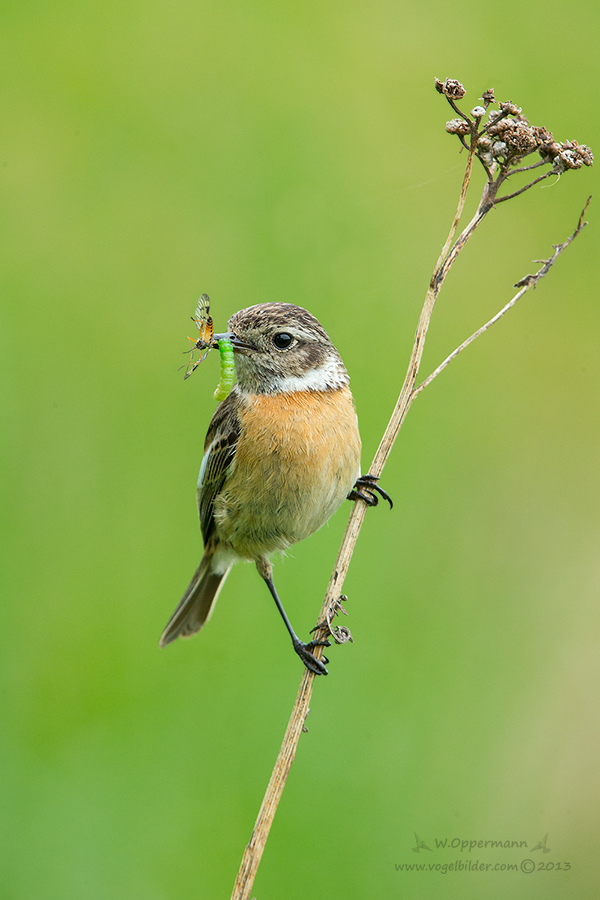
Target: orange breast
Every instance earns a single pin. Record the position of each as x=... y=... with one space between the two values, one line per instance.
x=297 y=458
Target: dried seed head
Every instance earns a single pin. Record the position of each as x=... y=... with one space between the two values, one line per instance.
x=488 y=96
x=477 y=112
x=542 y=135
x=520 y=139
x=549 y=151
x=586 y=154
x=566 y=159
x=457 y=126
x=484 y=143
x=547 y=146
x=454 y=89
x=510 y=109
x=451 y=88
x=571 y=160
x=574 y=155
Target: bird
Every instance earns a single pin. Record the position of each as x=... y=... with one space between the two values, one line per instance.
x=281 y=454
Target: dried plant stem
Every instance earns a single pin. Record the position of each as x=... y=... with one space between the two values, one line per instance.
x=526 y=188
x=529 y=281
x=253 y=852
x=459 y=208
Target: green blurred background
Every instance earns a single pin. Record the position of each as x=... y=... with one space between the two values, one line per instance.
x=292 y=151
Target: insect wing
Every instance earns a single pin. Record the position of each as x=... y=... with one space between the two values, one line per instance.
x=204 y=322
x=202 y=311
x=192 y=364
x=203 y=343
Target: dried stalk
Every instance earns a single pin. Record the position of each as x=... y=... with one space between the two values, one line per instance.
x=529 y=281
x=253 y=852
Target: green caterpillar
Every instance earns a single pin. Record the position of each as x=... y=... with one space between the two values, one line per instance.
x=227 y=370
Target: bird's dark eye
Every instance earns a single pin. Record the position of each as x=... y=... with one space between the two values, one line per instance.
x=283 y=340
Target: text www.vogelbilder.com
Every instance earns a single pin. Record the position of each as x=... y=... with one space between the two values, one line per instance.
x=526 y=866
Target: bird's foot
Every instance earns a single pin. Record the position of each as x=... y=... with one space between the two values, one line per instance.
x=366 y=488
x=309 y=659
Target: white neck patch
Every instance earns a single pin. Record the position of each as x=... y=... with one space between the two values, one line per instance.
x=328 y=377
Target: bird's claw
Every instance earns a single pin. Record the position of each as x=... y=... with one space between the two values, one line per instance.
x=317 y=666
x=312 y=644
x=366 y=488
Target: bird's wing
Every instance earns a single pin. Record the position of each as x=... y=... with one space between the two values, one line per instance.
x=219 y=452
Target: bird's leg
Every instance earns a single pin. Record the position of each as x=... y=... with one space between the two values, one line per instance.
x=302 y=649
x=365 y=488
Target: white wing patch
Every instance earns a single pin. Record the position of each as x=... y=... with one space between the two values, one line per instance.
x=203 y=466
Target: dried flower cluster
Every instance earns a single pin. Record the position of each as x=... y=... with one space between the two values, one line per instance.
x=506 y=138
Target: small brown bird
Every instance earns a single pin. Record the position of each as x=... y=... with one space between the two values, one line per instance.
x=281 y=455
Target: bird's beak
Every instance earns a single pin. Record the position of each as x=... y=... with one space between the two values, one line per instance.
x=234 y=340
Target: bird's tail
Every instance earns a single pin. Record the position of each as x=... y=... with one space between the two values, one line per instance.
x=197 y=604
